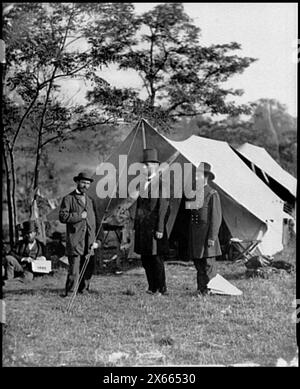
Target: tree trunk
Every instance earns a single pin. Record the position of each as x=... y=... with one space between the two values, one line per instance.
x=37 y=169
x=152 y=95
x=264 y=125
x=13 y=192
x=11 y=224
x=40 y=143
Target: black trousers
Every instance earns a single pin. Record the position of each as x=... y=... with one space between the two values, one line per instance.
x=206 y=270
x=75 y=266
x=76 y=263
x=155 y=272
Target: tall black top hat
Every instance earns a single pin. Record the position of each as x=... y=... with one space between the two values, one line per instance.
x=150 y=155
x=83 y=176
x=207 y=170
x=29 y=226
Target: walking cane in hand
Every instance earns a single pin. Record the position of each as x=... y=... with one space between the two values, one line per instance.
x=94 y=246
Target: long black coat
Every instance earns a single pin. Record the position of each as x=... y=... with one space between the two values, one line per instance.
x=70 y=213
x=151 y=216
x=204 y=224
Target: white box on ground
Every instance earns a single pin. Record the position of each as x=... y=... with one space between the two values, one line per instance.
x=64 y=260
x=41 y=266
x=218 y=285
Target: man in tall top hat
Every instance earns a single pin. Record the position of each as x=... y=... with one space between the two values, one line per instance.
x=77 y=211
x=18 y=261
x=151 y=239
x=204 y=225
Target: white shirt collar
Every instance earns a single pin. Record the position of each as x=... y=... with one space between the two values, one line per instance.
x=30 y=245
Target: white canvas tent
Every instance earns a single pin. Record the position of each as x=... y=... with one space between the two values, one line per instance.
x=250 y=209
x=261 y=159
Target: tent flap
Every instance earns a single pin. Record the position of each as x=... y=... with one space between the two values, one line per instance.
x=263 y=160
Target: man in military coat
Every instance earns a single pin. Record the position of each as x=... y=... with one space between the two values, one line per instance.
x=151 y=239
x=203 y=241
x=77 y=212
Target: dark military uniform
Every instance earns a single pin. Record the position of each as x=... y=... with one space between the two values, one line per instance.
x=151 y=216
x=204 y=225
x=80 y=237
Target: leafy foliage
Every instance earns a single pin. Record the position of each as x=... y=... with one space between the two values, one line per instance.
x=48 y=43
x=237 y=131
x=181 y=76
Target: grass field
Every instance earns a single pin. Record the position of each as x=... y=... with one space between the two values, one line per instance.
x=118 y=324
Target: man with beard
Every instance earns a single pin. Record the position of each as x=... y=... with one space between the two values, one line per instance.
x=78 y=213
x=17 y=263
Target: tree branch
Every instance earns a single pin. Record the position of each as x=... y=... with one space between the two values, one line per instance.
x=160 y=67
x=72 y=41
x=152 y=97
x=73 y=130
x=181 y=114
x=175 y=105
x=66 y=74
x=23 y=118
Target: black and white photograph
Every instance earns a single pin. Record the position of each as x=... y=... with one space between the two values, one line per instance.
x=149 y=187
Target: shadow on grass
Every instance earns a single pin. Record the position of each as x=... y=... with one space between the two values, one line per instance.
x=234 y=276
x=46 y=291
x=34 y=291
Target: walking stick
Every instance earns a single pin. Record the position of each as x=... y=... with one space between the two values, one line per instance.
x=87 y=258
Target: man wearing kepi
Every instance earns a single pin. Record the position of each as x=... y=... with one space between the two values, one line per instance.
x=77 y=212
x=151 y=239
x=204 y=225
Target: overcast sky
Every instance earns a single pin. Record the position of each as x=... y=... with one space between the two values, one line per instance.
x=266 y=31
